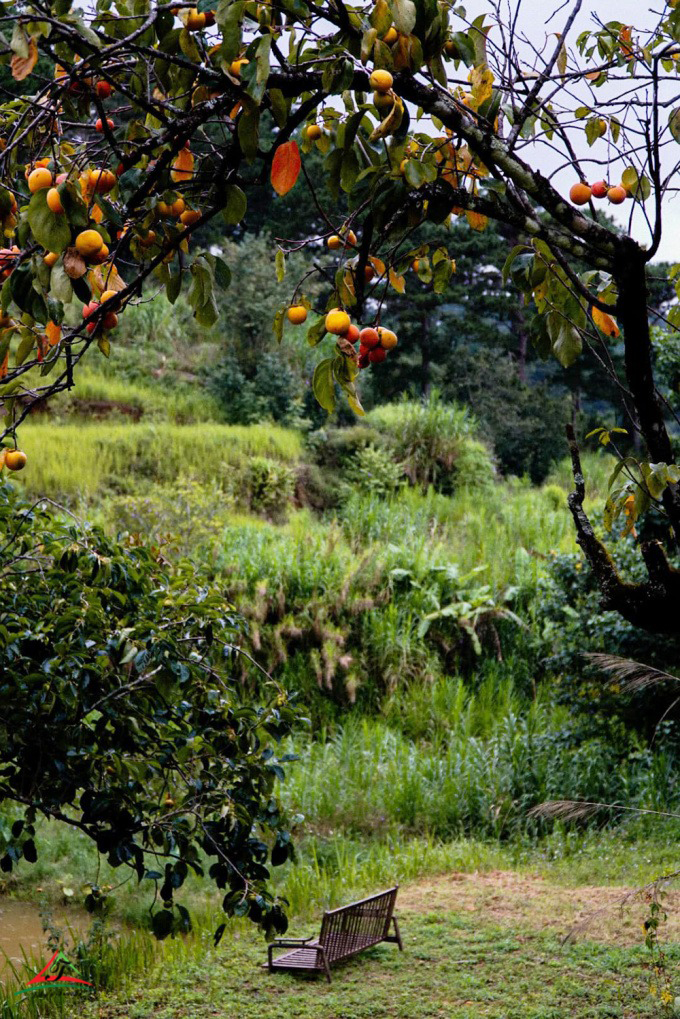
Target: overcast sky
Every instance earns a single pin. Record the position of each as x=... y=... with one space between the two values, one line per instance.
x=644 y=16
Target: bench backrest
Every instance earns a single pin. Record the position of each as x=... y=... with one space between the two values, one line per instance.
x=348 y=929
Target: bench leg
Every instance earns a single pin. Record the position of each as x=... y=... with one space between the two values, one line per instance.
x=324 y=960
x=397 y=935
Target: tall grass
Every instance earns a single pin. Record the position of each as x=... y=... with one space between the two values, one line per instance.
x=436 y=442
x=95 y=395
x=82 y=460
x=492 y=756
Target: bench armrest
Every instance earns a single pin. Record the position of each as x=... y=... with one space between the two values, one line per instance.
x=289 y=942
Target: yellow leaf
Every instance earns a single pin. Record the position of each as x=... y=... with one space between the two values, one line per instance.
x=477 y=220
x=22 y=66
x=397 y=281
x=605 y=323
x=378 y=265
x=481 y=79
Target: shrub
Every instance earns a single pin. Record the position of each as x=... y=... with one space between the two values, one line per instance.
x=374 y=471
x=273 y=392
x=269 y=486
x=570 y=620
x=429 y=439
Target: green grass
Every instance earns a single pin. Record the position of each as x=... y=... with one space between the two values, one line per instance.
x=188 y=404
x=84 y=460
x=453 y=965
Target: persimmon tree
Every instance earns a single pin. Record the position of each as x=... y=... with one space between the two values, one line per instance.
x=161 y=117
x=123 y=717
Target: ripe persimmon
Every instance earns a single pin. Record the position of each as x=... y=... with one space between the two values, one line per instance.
x=388 y=339
x=297 y=314
x=39 y=179
x=337 y=322
x=54 y=201
x=183 y=166
x=599 y=189
x=369 y=337
x=99 y=125
x=580 y=193
x=195 y=20
x=313 y=131
x=15 y=460
x=103 y=89
x=381 y=81
x=88 y=243
x=102 y=181
x=352 y=333
x=190 y=216
x=617 y=194
x=377 y=355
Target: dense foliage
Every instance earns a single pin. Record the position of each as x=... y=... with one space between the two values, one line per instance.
x=120 y=715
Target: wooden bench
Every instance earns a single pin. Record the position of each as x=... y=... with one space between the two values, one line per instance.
x=344 y=932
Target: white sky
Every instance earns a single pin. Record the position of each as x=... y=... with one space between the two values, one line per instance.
x=641 y=15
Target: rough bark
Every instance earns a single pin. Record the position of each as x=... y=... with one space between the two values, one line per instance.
x=653 y=605
x=629 y=273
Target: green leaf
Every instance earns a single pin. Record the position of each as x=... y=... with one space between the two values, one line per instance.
x=349 y=171
x=519 y=249
x=255 y=74
x=201 y=295
x=674 y=123
x=50 y=229
x=404 y=14
x=316 y=332
x=60 y=284
x=567 y=345
x=323 y=384
x=173 y=287
x=235 y=205
x=280 y=263
x=337 y=76
x=249 y=131
x=25 y=346
x=279 y=106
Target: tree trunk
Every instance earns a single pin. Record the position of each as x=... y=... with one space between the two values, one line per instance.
x=631 y=309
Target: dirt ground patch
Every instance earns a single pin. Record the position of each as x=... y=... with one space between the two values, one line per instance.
x=609 y=914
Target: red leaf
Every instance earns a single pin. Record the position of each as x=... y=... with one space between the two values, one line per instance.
x=285 y=167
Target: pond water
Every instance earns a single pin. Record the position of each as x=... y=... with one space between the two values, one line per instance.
x=21 y=928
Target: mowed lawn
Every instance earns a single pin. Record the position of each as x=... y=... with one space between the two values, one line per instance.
x=474 y=946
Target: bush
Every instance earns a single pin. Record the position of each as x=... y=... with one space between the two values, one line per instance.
x=336 y=448
x=429 y=438
x=570 y=620
x=374 y=471
x=269 y=486
x=273 y=392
